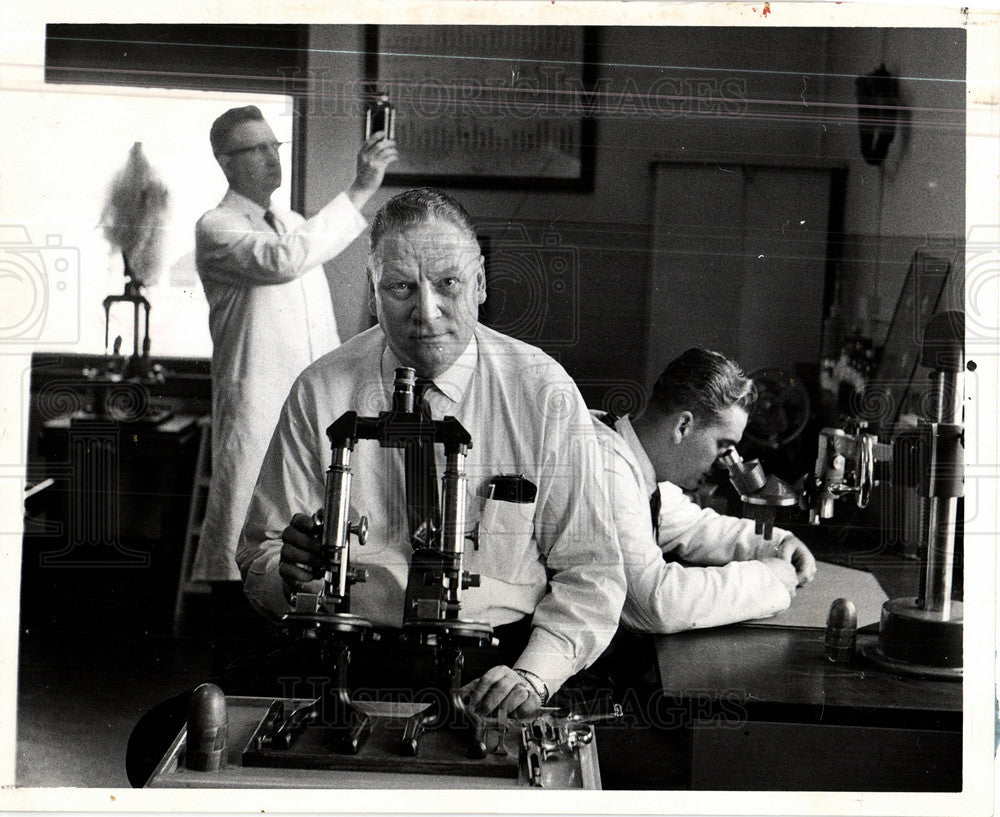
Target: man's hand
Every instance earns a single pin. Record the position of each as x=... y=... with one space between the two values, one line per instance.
x=300 y=560
x=794 y=550
x=501 y=692
x=783 y=572
x=376 y=154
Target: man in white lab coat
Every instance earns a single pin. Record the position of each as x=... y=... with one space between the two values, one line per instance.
x=270 y=310
x=698 y=410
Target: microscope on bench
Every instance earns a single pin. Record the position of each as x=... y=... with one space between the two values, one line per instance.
x=433 y=602
x=919 y=635
x=332 y=731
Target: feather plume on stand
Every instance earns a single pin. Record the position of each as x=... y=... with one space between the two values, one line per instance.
x=133 y=221
x=133 y=217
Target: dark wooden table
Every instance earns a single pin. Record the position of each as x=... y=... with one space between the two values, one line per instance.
x=114 y=523
x=765 y=710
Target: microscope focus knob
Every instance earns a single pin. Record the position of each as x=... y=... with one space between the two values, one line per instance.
x=359 y=575
x=360 y=530
x=470 y=580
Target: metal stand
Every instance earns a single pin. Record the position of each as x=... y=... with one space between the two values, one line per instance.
x=436 y=580
x=324 y=624
x=122 y=387
x=138 y=364
x=448 y=711
x=923 y=635
x=346 y=727
x=916 y=641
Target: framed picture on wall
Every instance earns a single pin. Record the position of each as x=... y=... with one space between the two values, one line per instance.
x=487 y=106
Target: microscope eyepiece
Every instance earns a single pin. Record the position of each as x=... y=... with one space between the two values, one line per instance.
x=402 y=390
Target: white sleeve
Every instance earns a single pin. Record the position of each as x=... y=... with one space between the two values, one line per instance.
x=291 y=481
x=229 y=252
x=574 y=527
x=667 y=597
x=704 y=537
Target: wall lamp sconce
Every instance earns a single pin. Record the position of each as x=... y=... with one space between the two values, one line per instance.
x=878 y=100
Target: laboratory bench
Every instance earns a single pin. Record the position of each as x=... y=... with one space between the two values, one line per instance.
x=773 y=713
x=758 y=706
x=751 y=706
x=103 y=540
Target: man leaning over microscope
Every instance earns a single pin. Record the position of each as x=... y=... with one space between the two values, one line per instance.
x=696 y=413
x=552 y=566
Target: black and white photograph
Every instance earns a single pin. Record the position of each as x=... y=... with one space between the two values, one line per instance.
x=518 y=407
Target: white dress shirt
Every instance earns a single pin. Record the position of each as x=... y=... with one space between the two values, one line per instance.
x=556 y=559
x=270 y=316
x=728 y=585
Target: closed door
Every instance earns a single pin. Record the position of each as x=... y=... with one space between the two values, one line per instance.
x=739 y=263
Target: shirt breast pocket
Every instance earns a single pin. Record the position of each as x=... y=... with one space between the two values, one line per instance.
x=507 y=550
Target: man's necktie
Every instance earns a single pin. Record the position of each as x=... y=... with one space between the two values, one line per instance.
x=422 y=498
x=654 y=510
x=272 y=222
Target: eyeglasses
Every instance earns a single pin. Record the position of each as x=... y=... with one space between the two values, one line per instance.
x=263 y=147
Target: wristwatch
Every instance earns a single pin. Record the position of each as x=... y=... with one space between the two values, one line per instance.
x=536 y=683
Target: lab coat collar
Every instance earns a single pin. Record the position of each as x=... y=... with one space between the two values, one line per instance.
x=452 y=382
x=624 y=427
x=240 y=203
